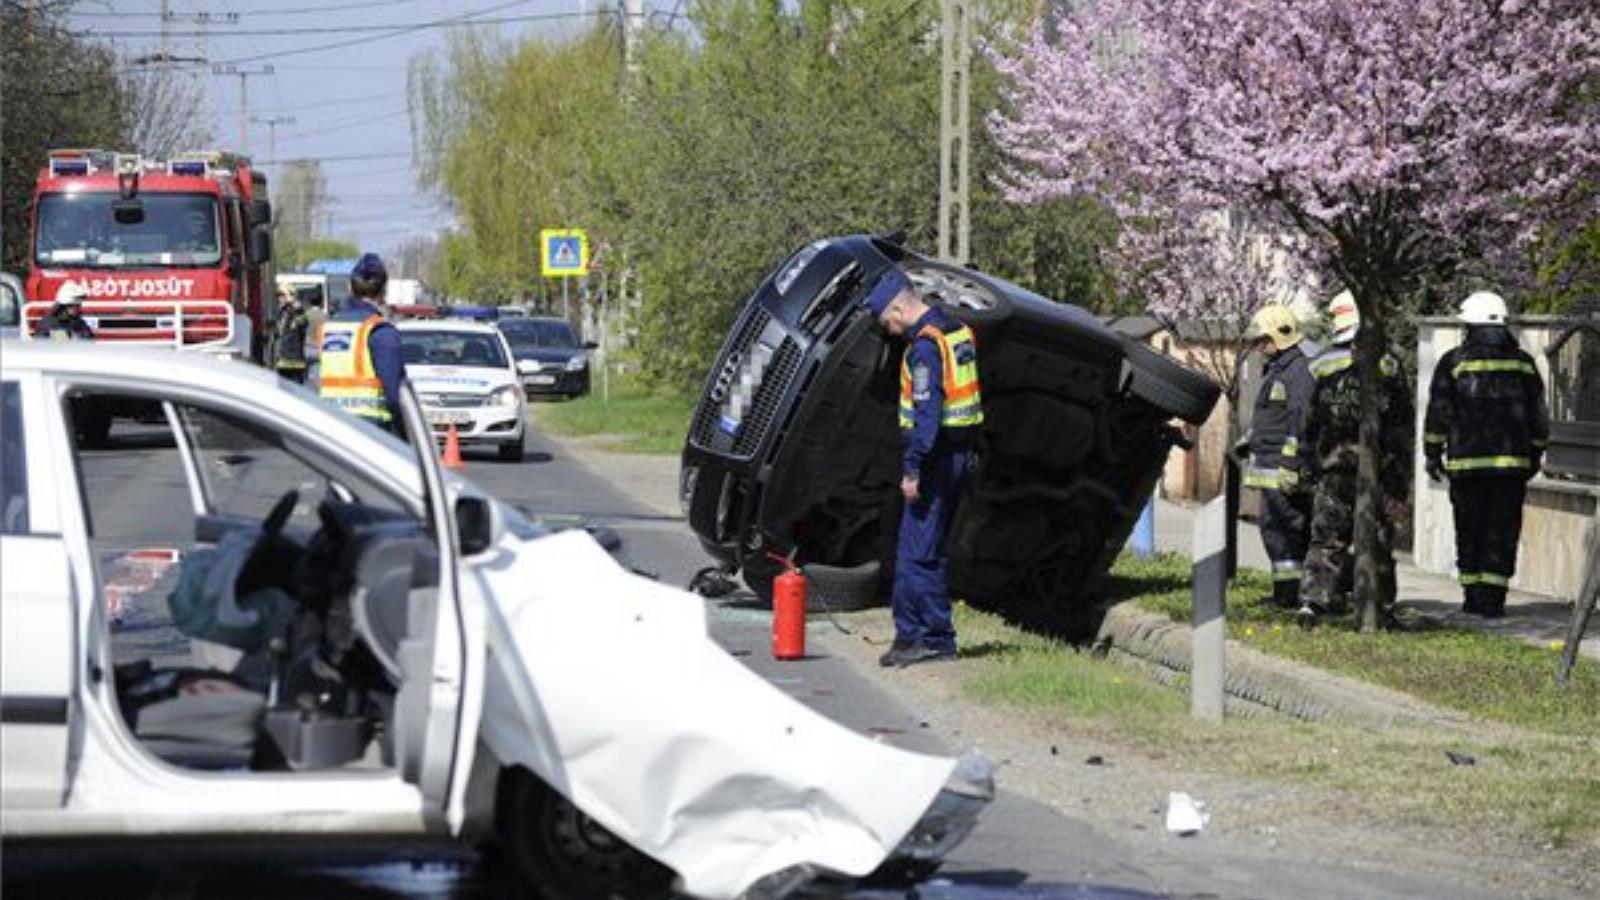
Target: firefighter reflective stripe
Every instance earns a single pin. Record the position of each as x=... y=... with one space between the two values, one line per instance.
x=1494 y=365
x=1475 y=463
x=1255 y=477
x=1433 y=437
x=958 y=355
x=1291 y=448
x=1278 y=393
x=1485 y=578
x=1332 y=363
x=1285 y=570
x=348 y=378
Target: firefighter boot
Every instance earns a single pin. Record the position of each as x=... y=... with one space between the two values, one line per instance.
x=1472 y=599
x=1286 y=594
x=1492 y=601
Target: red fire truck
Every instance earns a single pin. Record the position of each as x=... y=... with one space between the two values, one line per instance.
x=175 y=252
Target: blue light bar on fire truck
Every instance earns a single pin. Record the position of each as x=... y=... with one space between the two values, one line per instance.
x=187 y=167
x=69 y=162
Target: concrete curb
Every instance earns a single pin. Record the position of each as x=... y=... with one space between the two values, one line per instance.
x=1257 y=683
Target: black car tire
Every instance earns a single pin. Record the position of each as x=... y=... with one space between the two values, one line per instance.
x=511 y=452
x=559 y=853
x=1168 y=386
x=841 y=588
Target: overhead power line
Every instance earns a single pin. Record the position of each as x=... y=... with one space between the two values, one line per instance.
x=292 y=11
x=349 y=157
x=335 y=45
x=457 y=21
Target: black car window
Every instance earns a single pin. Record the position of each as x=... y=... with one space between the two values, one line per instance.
x=536 y=333
x=451 y=348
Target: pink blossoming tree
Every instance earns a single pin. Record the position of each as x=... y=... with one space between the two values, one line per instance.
x=1402 y=138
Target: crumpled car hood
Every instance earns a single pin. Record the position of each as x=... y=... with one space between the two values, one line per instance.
x=608 y=686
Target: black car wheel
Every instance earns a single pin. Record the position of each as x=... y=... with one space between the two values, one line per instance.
x=1166 y=385
x=562 y=854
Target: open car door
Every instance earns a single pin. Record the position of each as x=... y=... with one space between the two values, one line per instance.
x=434 y=708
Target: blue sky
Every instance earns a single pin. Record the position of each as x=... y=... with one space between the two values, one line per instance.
x=347 y=101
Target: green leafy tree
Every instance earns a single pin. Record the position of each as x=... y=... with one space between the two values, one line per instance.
x=57 y=90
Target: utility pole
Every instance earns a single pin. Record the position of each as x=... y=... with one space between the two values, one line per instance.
x=245 y=73
x=955 y=219
x=632 y=28
x=272 y=137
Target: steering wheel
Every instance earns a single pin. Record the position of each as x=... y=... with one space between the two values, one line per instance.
x=278 y=516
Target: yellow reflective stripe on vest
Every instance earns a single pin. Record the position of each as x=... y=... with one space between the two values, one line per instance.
x=1494 y=365
x=347 y=377
x=963 y=401
x=1472 y=463
x=1433 y=437
x=1485 y=578
x=1261 y=478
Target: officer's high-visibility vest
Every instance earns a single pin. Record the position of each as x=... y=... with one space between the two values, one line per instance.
x=348 y=378
x=963 y=405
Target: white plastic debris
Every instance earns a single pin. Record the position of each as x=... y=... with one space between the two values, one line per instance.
x=1185 y=815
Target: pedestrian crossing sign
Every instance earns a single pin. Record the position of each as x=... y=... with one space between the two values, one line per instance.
x=565 y=252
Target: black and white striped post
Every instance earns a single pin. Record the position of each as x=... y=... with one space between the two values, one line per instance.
x=1210 y=610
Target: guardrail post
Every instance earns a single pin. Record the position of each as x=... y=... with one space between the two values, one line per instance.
x=1210 y=610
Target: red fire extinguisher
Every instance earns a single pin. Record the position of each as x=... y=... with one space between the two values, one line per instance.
x=788 y=612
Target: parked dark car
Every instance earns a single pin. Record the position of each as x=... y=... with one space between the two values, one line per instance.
x=550 y=360
x=794 y=447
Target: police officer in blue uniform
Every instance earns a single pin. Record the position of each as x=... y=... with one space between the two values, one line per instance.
x=940 y=415
x=362 y=364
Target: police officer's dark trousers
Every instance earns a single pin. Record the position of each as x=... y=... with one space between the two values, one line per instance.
x=921 y=578
x=1285 y=533
x=1488 y=515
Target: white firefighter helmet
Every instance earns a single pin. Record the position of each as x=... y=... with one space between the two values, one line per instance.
x=1346 y=317
x=72 y=293
x=1483 y=308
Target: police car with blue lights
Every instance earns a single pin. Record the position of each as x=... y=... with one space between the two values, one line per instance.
x=464 y=374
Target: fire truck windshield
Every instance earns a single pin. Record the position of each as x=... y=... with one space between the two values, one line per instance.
x=80 y=229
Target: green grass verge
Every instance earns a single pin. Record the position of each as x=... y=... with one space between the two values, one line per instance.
x=1525 y=786
x=640 y=419
x=1483 y=674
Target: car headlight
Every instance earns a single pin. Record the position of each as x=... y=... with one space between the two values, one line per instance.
x=577 y=363
x=506 y=395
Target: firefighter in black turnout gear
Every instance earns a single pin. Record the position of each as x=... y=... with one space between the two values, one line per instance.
x=1485 y=430
x=1286 y=385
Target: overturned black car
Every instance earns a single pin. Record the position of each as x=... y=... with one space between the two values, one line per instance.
x=794 y=448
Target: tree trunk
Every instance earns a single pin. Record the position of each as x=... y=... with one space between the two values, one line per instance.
x=1370 y=347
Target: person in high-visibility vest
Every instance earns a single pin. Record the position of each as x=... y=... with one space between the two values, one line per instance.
x=1486 y=429
x=941 y=411
x=361 y=360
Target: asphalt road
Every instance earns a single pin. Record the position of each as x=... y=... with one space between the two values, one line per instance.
x=1021 y=850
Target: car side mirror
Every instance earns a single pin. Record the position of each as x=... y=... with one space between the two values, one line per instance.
x=525 y=366
x=590 y=345
x=261 y=212
x=479 y=525
x=260 y=246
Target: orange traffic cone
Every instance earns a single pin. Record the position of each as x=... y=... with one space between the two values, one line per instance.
x=452 y=450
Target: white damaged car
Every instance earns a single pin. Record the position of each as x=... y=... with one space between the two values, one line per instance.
x=374 y=648
x=465 y=376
